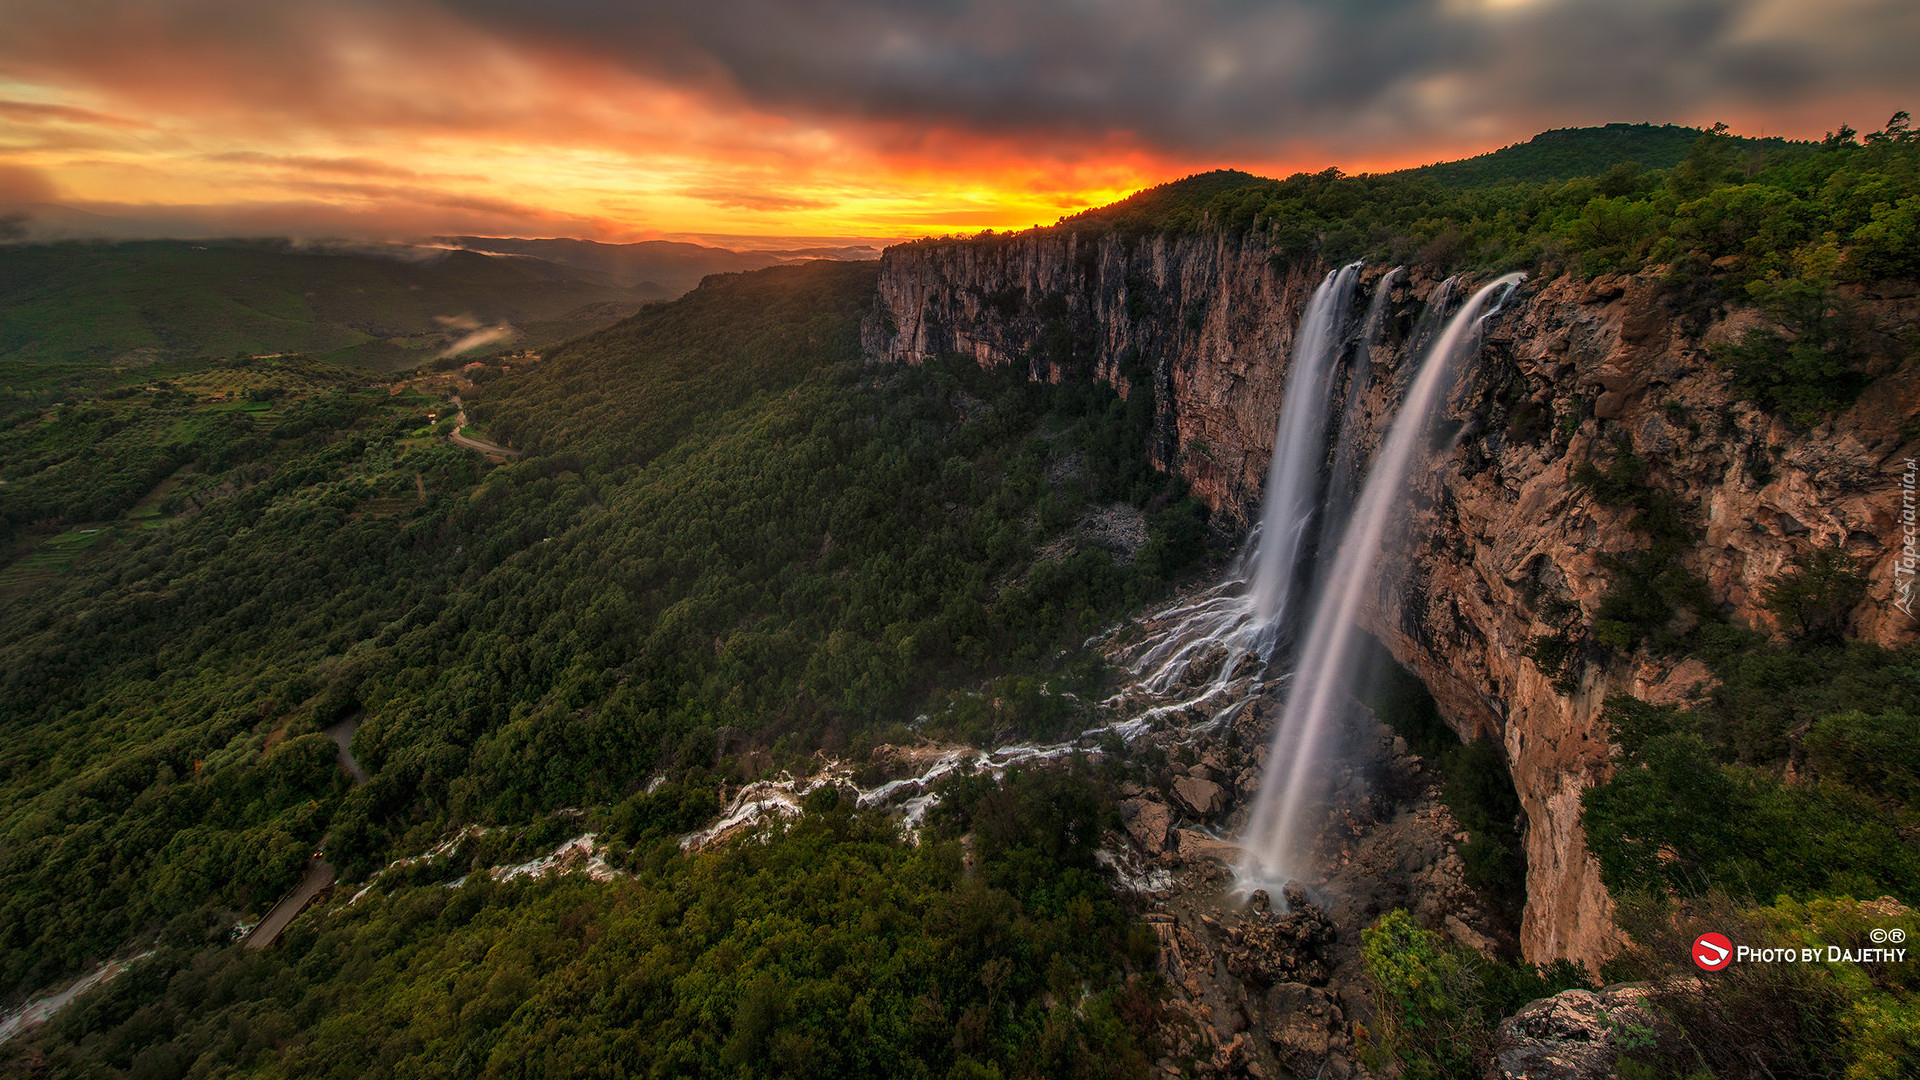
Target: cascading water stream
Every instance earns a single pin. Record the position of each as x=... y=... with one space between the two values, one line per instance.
x=1276 y=838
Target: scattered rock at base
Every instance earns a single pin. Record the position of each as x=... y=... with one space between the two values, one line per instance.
x=1572 y=1035
x=1265 y=948
x=1306 y=1029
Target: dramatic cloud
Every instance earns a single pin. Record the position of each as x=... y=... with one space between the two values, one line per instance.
x=862 y=117
x=1228 y=76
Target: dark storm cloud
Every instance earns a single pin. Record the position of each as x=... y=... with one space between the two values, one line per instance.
x=1219 y=75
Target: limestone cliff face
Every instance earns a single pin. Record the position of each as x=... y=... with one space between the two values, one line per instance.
x=1504 y=542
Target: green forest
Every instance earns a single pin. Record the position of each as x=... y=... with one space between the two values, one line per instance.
x=833 y=949
x=746 y=529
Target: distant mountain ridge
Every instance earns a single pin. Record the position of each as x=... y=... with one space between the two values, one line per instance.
x=1564 y=153
x=662 y=268
x=381 y=306
x=1184 y=205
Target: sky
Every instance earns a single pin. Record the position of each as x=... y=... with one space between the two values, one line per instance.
x=762 y=123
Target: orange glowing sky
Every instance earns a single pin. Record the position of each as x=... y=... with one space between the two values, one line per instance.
x=752 y=121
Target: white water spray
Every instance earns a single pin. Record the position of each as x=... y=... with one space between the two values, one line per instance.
x=1276 y=839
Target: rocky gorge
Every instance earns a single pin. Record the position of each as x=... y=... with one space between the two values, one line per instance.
x=1509 y=549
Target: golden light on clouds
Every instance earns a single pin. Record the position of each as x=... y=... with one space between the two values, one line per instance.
x=490 y=140
x=845 y=118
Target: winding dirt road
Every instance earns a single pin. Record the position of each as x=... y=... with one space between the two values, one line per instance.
x=459 y=437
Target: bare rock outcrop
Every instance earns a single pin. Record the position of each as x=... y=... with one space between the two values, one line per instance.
x=1573 y=1035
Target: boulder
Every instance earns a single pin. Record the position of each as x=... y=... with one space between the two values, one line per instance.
x=1147 y=822
x=1196 y=847
x=1202 y=798
x=1572 y=1035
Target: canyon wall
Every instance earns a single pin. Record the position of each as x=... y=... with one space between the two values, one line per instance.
x=1504 y=542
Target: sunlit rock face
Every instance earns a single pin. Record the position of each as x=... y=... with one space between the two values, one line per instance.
x=1507 y=541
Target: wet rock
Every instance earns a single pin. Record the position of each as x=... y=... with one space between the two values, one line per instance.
x=1572 y=1035
x=1147 y=822
x=1203 y=798
x=1195 y=846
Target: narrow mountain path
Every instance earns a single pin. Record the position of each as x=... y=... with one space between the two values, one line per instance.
x=459 y=438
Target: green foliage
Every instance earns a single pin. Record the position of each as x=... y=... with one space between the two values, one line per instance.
x=1878 y=753
x=1479 y=792
x=1438 y=1003
x=1802 y=379
x=831 y=948
x=1815 y=597
x=1653 y=599
x=1176 y=207
x=1619 y=151
x=1818 y=1018
x=161 y=698
x=1696 y=804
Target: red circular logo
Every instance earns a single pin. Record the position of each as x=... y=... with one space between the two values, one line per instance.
x=1712 y=951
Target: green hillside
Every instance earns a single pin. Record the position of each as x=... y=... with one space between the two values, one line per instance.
x=1565 y=153
x=1176 y=206
x=725 y=524
x=172 y=299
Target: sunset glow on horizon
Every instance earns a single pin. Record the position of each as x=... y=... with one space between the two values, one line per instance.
x=863 y=123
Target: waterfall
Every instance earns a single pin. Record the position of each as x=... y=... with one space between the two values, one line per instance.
x=1344 y=481
x=1299 y=445
x=1224 y=638
x=1276 y=837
